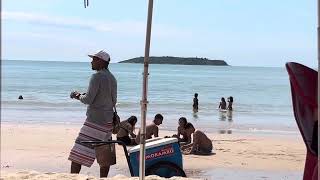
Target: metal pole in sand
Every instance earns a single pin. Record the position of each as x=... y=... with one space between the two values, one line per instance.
x=144 y=100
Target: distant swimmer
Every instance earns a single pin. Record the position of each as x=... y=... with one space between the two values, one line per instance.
x=223 y=104
x=20 y=97
x=195 y=103
x=230 y=102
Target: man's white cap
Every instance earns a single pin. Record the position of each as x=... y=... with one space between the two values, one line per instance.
x=102 y=55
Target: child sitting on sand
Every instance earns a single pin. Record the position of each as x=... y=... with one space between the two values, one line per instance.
x=201 y=145
x=183 y=126
x=127 y=129
x=152 y=129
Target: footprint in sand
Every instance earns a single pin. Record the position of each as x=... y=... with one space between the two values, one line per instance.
x=244 y=164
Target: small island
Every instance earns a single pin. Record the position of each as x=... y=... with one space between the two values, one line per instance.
x=178 y=60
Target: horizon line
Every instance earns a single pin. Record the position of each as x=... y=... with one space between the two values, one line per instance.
x=77 y=61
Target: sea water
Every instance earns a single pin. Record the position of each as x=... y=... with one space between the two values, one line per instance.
x=262 y=97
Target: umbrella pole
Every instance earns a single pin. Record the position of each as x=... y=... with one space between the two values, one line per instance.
x=144 y=100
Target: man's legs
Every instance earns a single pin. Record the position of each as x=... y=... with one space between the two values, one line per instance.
x=75 y=168
x=106 y=157
x=104 y=171
x=187 y=146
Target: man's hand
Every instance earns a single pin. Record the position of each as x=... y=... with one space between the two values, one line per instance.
x=74 y=95
x=175 y=136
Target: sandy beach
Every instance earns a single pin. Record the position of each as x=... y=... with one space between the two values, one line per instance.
x=45 y=148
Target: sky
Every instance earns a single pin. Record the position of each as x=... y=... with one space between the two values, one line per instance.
x=241 y=32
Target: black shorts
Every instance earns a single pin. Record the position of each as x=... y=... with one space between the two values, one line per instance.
x=125 y=139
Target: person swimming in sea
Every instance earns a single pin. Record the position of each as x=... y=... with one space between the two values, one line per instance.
x=195 y=103
x=223 y=104
x=230 y=102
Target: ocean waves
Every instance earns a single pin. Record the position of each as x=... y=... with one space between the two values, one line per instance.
x=262 y=99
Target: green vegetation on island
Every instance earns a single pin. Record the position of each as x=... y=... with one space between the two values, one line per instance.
x=178 y=60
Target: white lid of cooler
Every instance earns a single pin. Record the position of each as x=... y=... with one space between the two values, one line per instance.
x=155 y=142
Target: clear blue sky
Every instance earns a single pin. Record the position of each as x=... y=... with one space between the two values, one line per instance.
x=242 y=32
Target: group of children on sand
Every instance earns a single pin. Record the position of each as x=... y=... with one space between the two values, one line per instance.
x=200 y=144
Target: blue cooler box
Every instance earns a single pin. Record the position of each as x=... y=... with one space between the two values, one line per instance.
x=157 y=149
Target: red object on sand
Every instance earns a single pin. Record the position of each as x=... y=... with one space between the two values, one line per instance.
x=304 y=87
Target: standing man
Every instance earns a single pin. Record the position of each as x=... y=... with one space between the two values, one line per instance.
x=100 y=97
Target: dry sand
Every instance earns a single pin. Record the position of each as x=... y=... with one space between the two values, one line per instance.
x=45 y=148
x=66 y=176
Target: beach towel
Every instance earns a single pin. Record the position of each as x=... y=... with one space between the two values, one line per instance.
x=304 y=91
x=85 y=154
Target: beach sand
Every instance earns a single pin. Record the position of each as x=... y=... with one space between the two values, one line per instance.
x=26 y=148
x=65 y=176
